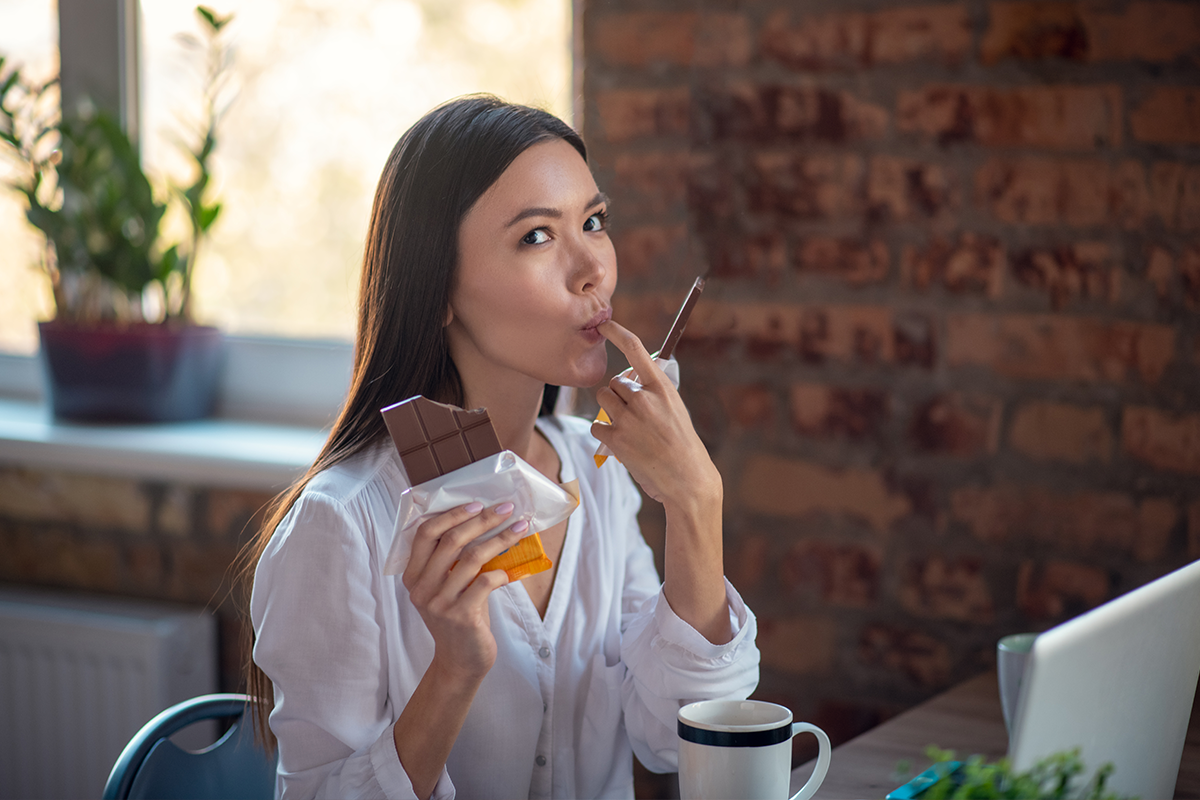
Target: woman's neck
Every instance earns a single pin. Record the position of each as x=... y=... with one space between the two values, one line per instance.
x=513 y=407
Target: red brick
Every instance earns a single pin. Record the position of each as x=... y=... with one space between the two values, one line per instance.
x=1059 y=588
x=1046 y=191
x=920 y=33
x=974 y=263
x=145 y=568
x=89 y=501
x=1033 y=29
x=855 y=263
x=752 y=406
x=644 y=250
x=1194 y=530
x=1189 y=273
x=839 y=574
x=1176 y=280
x=1077 y=522
x=918 y=655
x=629 y=114
x=650 y=184
x=834 y=412
x=646 y=38
x=807 y=187
x=956 y=424
x=850 y=40
x=197 y=572
x=800 y=645
x=1156 y=520
x=1083 y=270
x=1157 y=32
x=1170 y=115
x=236 y=514
x=711 y=188
x=640 y=38
x=762 y=255
x=783 y=487
x=747 y=563
x=904 y=189
x=1055 y=117
x=947 y=588
x=1048 y=347
x=847 y=333
x=1160 y=271
x=1048 y=431
x=1162 y=439
x=722 y=40
x=761 y=112
x=1175 y=194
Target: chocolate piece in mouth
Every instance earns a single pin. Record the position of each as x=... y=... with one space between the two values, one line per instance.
x=435 y=438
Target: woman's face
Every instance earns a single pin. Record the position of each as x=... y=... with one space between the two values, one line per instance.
x=535 y=275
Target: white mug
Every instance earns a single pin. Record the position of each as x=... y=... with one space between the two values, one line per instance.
x=1012 y=654
x=742 y=750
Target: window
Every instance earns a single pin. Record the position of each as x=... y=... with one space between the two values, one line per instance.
x=28 y=36
x=325 y=89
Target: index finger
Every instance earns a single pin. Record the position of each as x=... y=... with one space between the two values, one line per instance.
x=635 y=352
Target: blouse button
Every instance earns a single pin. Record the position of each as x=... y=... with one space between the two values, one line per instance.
x=544 y=652
x=540 y=761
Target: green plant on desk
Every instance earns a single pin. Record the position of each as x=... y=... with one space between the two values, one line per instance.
x=1054 y=778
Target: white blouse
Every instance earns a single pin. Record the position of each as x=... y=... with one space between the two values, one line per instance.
x=608 y=666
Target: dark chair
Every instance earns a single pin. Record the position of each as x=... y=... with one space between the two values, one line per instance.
x=234 y=768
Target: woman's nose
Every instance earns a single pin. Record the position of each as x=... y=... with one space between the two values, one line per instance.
x=591 y=264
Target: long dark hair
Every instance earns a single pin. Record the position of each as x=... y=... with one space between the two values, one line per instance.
x=435 y=173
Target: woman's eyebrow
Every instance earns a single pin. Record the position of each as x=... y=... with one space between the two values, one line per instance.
x=543 y=211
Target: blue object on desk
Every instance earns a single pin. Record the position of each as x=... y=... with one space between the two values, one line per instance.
x=920 y=783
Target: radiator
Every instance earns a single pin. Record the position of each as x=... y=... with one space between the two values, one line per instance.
x=80 y=675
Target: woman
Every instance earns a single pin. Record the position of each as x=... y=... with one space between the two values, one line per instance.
x=487 y=277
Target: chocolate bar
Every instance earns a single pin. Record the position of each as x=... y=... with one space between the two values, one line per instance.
x=434 y=438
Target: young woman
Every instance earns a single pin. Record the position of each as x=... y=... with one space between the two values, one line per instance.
x=486 y=282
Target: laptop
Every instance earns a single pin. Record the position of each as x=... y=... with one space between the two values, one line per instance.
x=1117 y=682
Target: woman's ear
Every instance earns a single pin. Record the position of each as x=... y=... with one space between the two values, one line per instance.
x=449 y=317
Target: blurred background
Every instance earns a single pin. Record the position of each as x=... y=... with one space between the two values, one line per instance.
x=948 y=359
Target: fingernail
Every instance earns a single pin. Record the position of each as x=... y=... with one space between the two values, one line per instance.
x=505 y=508
x=473 y=508
x=520 y=526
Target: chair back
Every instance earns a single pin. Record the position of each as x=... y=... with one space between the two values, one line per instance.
x=233 y=768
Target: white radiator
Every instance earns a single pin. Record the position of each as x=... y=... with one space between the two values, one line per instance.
x=80 y=675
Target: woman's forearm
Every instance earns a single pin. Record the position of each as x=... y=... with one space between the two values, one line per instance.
x=430 y=723
x=694 y=583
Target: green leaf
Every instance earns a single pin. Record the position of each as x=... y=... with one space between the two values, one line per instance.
x=208 y=215
x=214 y=20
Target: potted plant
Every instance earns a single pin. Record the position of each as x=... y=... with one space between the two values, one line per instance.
x=123 y=345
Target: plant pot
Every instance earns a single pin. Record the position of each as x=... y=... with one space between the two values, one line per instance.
x=136 y=373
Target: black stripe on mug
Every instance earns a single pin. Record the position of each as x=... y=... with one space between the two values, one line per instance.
x=734 y=738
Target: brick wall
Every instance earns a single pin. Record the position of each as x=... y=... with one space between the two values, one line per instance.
x=947 y=358
x=142 y=539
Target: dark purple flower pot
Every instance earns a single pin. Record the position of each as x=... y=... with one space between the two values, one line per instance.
x=137 y=373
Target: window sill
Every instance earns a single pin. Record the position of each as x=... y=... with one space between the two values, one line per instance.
x=212 y=452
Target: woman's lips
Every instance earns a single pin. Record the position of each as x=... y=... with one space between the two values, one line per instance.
x=602 y=316
x=589 y=330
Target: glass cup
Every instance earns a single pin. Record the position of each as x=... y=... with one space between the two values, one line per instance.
x=1012 y=654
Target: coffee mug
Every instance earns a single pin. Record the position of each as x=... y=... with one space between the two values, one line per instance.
x=1012 y=654
x=742 y=749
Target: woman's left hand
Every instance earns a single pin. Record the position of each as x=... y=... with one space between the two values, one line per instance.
x=651 y=432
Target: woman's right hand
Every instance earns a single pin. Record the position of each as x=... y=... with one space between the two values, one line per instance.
x=451 y=594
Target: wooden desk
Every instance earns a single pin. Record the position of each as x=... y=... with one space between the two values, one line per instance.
x=966 y=719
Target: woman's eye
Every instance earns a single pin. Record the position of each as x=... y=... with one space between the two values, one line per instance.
x=596 y=222
x=536 y=236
